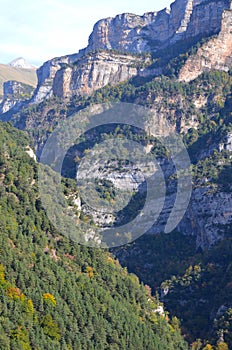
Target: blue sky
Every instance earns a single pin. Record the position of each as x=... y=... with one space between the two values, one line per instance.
x=39 y=30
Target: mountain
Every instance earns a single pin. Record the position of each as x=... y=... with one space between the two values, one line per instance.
x=116 y=43
x=20 y=62
x=178 y=64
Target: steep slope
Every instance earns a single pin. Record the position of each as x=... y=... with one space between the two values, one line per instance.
x=201 y=111
x=56 y=294
x=197 y=111
x=191 y=267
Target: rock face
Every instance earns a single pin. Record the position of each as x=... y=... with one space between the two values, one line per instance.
x=120 y=33
x=94 y=71
x=131 y=33
x=84 y=72
x=46 y=73
x=228 y=143
x=14 y=94
x=207 y=216
x=215 y=54
x=206 y=18
x=76 y=75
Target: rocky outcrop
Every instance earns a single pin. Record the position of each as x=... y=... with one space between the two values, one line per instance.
x=206 y=18
x=95 y=71
x=178 y=20
x=214 y=54
x=207 y=217
x=31 y=153
x=14 y=94
x=121 y=33
x=6 y=105
x=46 y=73
x=228 y=142
x=82 y=75
x=153 y=30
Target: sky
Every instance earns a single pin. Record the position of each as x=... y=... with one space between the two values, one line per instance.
x=39 y=30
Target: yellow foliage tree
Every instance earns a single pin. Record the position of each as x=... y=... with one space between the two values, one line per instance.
x=30 y=306
x=49 y=298
x=2 y=275
x=50 y=327
x=222 y=346
x=89 y=271
x=15 y=293
x=208 y=347
x=197 y=345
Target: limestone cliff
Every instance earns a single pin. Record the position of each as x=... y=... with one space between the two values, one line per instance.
x=120 y=33
x=214 y=54
x=208 y=215
x=88 y=70
x=81 y=75
x=46 y=73
x=153 y=30
x=94 y=71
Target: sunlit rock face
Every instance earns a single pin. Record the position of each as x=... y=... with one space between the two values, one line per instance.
x=132 y=33
x=110 y=57
x=95 y=71
x=214 y=54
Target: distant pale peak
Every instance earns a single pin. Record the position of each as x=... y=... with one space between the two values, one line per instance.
x=20 y=62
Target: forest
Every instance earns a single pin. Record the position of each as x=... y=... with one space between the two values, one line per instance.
x=56 y=294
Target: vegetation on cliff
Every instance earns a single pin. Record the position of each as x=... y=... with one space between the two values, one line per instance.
x=56 y=294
